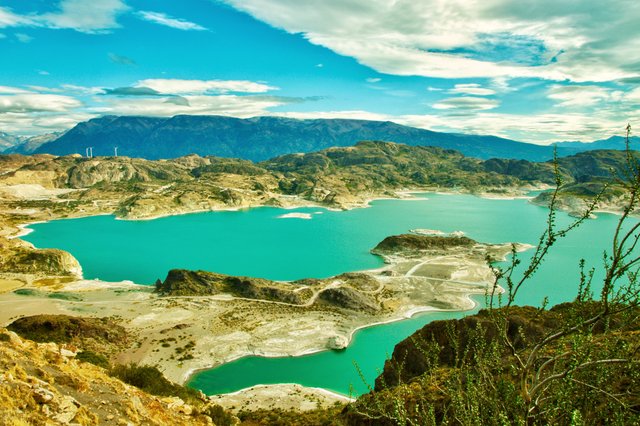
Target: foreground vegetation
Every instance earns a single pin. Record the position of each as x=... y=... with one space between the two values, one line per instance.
x=576 y=363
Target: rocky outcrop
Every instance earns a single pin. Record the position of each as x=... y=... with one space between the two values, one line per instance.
x=180 y=282
x=351 y=291
x=348 y=298
x=43 y=383
x=99 y=335
x=412 y=243
x=40 y=262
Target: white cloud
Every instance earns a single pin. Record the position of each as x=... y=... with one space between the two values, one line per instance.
x=95 y=16
x=37 y=123
x=44 y=89
x=168 y=21
x=634 y=96
x=579 y=41
x=471 y=89
x=581 y=96
x=36 y=102
x=232 y=105
x=466 y=103
x=354 y=115
x=23 y=38
x=177 y=86
x=10 y=19
x=81 y=90
x=533 y=128
x=12 y=90
x=373 y=80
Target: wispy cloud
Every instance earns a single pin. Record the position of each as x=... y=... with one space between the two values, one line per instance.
x=582 y=96
x=95 y=16
x=92 y=17
x=232 y=105
x=120 y=59
x=466 y=103
x=178 y=86
x=578 y=41
x=533 y=128
x=471 y=89
x=36 y=102
x=168 y=21
x=23 y=38
x=12 y=90
x=10 y=19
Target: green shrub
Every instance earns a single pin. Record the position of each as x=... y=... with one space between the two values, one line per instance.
x=93 y=358
x=150 y=379
x=219 y=416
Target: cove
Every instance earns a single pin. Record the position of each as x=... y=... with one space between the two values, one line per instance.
x=257 y=242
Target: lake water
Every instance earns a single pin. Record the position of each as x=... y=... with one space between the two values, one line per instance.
x=257 y=242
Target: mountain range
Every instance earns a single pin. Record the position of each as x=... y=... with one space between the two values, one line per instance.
x=262 y=138
x=614 y=142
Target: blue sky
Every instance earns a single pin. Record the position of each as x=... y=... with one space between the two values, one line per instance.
x=533 y=70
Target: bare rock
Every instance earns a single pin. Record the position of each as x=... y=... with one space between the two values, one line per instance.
x=42 y=395
x=337 y=342
x=67 y=410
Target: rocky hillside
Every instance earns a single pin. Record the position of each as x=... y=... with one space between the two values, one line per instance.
x=44 y=383
x=411 y=243
x=7 y=141
x=340 y=177
x=262 y=138
x=28 y=145
x=449 y=367
x=351 y=291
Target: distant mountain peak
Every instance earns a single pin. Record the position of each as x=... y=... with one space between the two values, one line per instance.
x=263 y=137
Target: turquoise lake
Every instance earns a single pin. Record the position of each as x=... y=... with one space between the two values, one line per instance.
x=257 y=242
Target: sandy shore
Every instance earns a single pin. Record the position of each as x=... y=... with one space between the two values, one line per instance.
x=285 y=396
x=7 y=285
x=24 y=230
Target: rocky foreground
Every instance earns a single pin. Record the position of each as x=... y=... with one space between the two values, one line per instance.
x=44 y=383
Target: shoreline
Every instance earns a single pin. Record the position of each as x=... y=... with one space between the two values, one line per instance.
x=401 y=195
x=328 y=392
x=24 y=229
x=404 y=195
x=408 y=315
